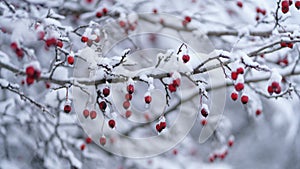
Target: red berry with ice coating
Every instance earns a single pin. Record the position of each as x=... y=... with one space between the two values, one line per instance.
x=204 y=112
x=102 y=105
x=148 y=99
x=297 y=4
x=67 y=108
x=126 y=104
x=128 y=113
x=86 y=113
x=59 y=43
x=258 y=112
x=111 y=123
x=84 y=39
x=93 y=114
x=239 y=4
x=130 y=89
x=172 y=88
x=128 y=96
x=102 y=140
x=285 y=6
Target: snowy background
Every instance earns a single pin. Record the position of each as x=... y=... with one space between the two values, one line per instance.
x=75 y=49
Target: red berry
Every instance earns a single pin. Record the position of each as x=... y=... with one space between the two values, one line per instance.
x=106 y=92
x=258 y=10
x=290 y=45
x=86 y=113
x=258 y=112
x=175 y=151
x=263 y=11
x=230 y=143
x=154 y=11
x=70 y=60
x=275 y=85
x=104 y=10
x=148 y=99
x=244 y=99
x=270 y=89
x=14 y=46
x=297 y=4
x=67 y=108
x=240 y=70
x=211 y=159
x=257 y=18
x=234 y=75
x=37 y=74
x=158 y=128
x=128 y=96
x=111 y=123
x=130 y=89
x=30 y=71
x=19 y=52
x=176 y=82
x=185 y=58
x=122 y=24
x=239 y=86
x=98 y=14
x=84 y=39
x=285 y=6
x=88 y=140
x=103 y=140
x=203 y=122
x=172 y=87
x=89 y=1
x=163 y=125
x=278 y=90
x=128 y=113
x=283 y=44
x=29 y=80
x=50 y=42
x=93 y=114
x=59 y=43
x=290 y=2
x=102 y=105
x=126 y=104
x=234 y=96
x=188 y=19
x=204 y=112
x=239 y=4
x=47 y=84
x=82 y=147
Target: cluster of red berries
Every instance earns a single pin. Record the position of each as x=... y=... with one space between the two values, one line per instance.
x=54 y=42
x=259 y=11
x=204 y=113
x=128 y=97
x=274 y=88
x=173 y=86
x=19 y=52
x=104 y=12
x=284 y=61
x=86 y=113
x=88 y=140
x=161 y=126
x=286 y=44
x=187 y=19
x=32 y=74
x=222 y=155
x=127 y=26
x=285 y=4
x=238 y=86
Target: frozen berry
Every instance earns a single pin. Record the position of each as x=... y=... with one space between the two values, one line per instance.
x=240 y=70
x=130 y=89
x=239 y=86
x=106 y=92
x=128 y=96
x=102 y=105
x=67 y=108
x=59 y=43
x=204 y=112
x=103 y=140
x=244 y=99
x=86 y=113
x=70 y=60
x=234 y=75
x=128 y=113
x=258 y=112
x=93 y=114
x=126 y=104
x=185 y=58
x=30 y=71
x=111 y=123
x=172 y=88
x=84 y=39
x=234 y=96
x=88 y=140
x=239 y=4
x=148 y=99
